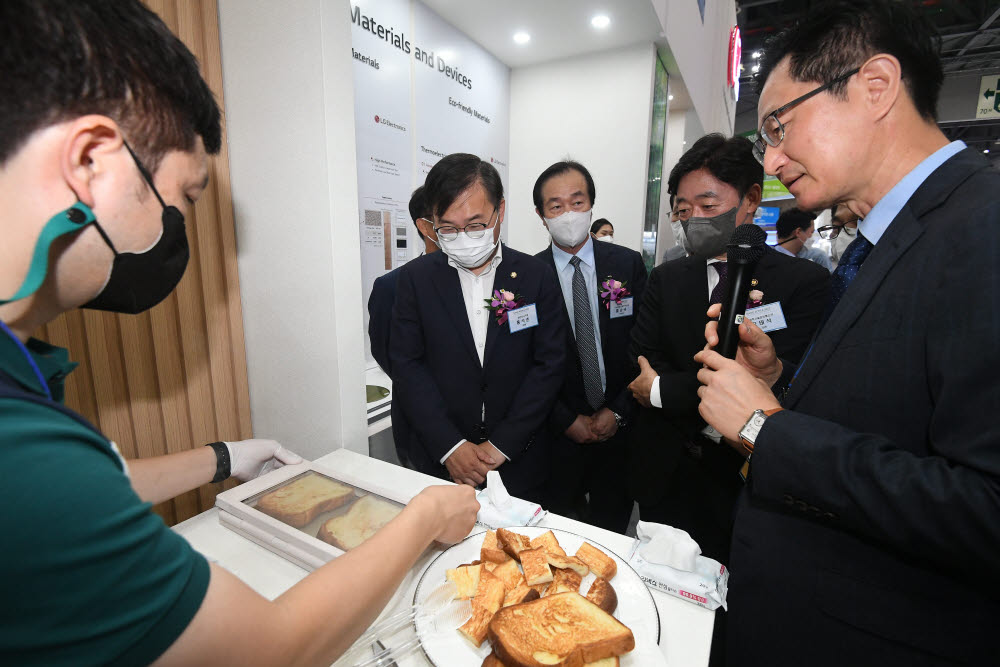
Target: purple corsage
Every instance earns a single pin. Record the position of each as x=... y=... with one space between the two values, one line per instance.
x=502 y=303
x=613 y=290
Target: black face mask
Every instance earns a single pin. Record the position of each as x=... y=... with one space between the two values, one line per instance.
x=139 y=281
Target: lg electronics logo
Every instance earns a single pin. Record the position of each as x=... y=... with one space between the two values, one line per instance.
x=380 y=120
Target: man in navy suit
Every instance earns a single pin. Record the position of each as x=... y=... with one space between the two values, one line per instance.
x=590 y=420
x=380 y=316
x=477 y=353
x=868 y=531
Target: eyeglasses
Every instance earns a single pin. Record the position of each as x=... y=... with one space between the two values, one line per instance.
x=829 y=232
x=474 y=230
x=771 y=131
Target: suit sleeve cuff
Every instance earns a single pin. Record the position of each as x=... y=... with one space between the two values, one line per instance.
x=654 y=393
x=452 y=451
x=497 y=447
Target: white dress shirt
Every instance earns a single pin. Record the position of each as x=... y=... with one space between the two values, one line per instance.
x=475 y=291
x=588 y=267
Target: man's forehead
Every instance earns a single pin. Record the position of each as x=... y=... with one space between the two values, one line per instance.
x=776 y=91
x=702 y=184
x=470 y=204
x=568 y=183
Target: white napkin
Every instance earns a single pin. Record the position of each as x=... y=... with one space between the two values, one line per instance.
x=665 y=545
x=498 y=508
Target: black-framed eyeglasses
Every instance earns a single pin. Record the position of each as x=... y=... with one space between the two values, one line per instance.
x=771 y=131
x=829 y=232
x=474 y=230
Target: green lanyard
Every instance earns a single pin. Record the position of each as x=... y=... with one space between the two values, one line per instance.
x=73 y=219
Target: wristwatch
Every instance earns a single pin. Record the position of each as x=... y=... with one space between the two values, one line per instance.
x=750 y=430
x=619 y=420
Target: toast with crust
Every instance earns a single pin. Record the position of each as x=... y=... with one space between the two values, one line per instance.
x=491 y=551
x=513 y=543
x=520 y=595
x=548 y=541
x=493 y=661
x=361 y=521
x=536 y=566
x=564 y=581
x=599 y=562
x=561 y=629
x=466 y=578
x=489 y=598
x=603 y=595
x=305 y=499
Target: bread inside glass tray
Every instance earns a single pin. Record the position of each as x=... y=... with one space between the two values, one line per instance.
x=333 y=511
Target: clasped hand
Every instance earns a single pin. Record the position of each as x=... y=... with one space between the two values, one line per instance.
x=597 y=427
x=469 y=463
x=732 y=389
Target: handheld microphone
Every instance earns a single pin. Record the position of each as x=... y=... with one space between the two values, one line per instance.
x=746 y=246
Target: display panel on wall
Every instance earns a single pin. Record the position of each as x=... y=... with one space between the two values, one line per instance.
x=422 y=90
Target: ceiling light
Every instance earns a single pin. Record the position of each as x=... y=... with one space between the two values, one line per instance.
x=755 y=69
x=522 y=37
x=600 y=21
x=758 y=54
x=670 y=98
x=986 y=150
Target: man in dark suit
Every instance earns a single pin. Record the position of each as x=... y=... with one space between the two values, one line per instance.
x=591 y=415
x=380 y=316
x=681 y=476
x=477 y=352
x=867 y=532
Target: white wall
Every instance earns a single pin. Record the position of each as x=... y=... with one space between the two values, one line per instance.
x=290 y=122
x=701 y=51
x=596 y=110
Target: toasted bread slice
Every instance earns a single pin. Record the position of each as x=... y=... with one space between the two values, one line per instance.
x=564 y=581
x=489 y=598
x=520 y=595
x=491 y=551
x=493 y=661
x=548 y=541
x=510 y=574
x=558 y=629
x=603 y=595
x=599 y=562
x=513 y=543
x=466 y=578
x=568 y=562
x=361 y=521
x=536 y=566
x=305 y=499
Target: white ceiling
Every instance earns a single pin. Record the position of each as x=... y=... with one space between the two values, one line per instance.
x=558 y=28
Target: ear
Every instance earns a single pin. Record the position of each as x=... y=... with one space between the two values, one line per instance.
x=426 y=228
x=881 y=79
x=91 y=146
x=753 y=198
x=501 y=210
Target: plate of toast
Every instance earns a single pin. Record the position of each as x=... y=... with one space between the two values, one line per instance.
x=539 y=597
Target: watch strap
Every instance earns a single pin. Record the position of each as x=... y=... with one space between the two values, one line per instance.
x=222 y=462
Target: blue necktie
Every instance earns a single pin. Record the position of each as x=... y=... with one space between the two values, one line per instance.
x=850 y=263
x=586 y=341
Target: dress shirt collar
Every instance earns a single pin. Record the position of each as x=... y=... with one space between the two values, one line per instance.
x=497 y=258
x=782 y=249
x=586 y=255
x=888 y=207
x=713 y=260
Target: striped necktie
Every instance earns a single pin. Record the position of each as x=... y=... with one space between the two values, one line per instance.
x=586 y=341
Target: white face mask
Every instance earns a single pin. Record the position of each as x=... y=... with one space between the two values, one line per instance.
x=570 y=228
x=468 y=252
x=606 y=239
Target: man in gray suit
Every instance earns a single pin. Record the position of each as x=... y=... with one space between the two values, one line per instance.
x=867 y=532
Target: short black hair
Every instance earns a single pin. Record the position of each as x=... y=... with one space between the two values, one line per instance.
x=792 y=219
x=562 y=168
x=729 y=160
x=418 y=208
x=835 y=37
x=62 y=59
x=456 y=173
x=600 y=222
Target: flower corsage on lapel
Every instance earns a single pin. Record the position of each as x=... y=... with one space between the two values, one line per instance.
x=755 y=298
x=502 y=303
x=613 y=290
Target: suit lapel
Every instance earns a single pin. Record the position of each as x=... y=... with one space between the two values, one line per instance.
x=603 y=269
x=693 y=294
x=449 y=289
x=501 y=280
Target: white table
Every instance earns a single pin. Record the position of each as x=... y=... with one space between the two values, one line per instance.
x=685 y=628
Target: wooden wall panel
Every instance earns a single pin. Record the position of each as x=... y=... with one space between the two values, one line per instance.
x=176 y=377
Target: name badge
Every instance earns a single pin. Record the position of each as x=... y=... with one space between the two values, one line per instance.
x=768 y=317
x=623 y=309
x=522 y=318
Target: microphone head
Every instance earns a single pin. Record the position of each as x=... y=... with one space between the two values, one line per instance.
x=747 y=244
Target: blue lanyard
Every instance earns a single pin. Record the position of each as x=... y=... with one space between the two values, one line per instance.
x=31 y=360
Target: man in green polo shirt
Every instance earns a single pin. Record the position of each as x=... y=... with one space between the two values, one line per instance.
x=105 y=128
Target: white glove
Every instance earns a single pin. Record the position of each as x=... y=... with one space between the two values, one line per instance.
x=249 y=459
